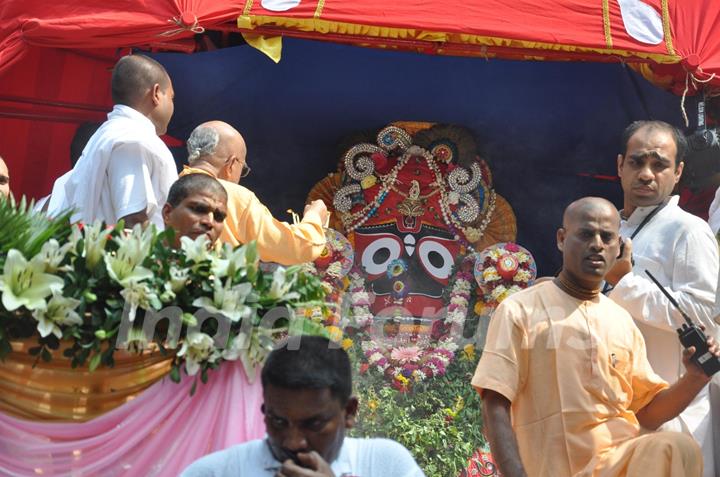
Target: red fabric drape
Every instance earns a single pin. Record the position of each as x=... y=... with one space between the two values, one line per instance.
x=102 y=24
x=43 y=98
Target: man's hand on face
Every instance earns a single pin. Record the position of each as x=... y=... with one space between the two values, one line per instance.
x=319 y=207
x=623 y=265
x=312 y=466
x=692 y=368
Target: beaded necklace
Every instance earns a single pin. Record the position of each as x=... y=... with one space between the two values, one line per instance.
x=574 y=290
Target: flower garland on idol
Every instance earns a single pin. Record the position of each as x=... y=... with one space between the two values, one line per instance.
x=497 y=272
x=332 y=267
x=409 y=364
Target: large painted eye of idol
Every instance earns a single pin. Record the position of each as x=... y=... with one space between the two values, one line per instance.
x=405 y=269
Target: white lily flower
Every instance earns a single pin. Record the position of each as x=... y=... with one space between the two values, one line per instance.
x=238 y=345
x=197 y=348
x=124 y=265
x=139 y=295
x=75 y=235
x=196 y=250
x=95 y=239
x=25 y=283
x=280 y=286
x=251 y=350
x=228 y=300
x=178 y=278
x=59 y=311
x=51 y=256
x=232 y=260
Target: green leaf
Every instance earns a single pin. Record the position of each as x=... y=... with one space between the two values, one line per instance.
x=175 y=374
x=95 y=362
x=26 y=230
x=193 y=388
x=45 y=355
x=302 y=326
x=5 y=348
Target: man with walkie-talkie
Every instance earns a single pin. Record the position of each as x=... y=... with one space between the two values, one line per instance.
x=679 y=250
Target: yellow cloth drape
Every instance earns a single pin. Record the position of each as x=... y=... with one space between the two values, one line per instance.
x=53 y=391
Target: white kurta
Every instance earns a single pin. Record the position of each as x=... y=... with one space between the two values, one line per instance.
x=358 y=457
x=680 y=250
x=57 y=201
x=124 y=169
x=714 y=213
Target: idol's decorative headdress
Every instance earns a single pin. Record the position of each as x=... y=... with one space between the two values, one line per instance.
x=433 y=177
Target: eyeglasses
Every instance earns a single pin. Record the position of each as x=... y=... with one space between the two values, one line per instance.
x=245 y=171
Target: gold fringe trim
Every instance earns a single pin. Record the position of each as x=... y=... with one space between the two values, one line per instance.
x=666 y=28
x=606 y=23
x=253 y=22
x=319 y=9
x=248 y=7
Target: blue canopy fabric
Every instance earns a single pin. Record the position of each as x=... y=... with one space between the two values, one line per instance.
x=547 y=129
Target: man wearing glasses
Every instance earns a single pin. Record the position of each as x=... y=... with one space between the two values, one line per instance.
x=217 y=149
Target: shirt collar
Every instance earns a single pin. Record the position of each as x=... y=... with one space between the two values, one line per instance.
x=640 y=213
x=194 y=170
x=122 y=111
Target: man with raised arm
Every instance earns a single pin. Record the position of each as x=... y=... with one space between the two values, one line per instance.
x=679 y=249
x=564 y=376
x=308 y=406
x=215 y=148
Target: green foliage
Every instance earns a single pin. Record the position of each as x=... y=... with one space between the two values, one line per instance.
x=107 y=280
x=439 y=421
x=26 y=230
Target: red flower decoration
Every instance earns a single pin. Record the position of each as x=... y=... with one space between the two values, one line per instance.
x=512 y=247
x=440 y=329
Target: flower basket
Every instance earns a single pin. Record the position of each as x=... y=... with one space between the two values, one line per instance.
x=73 y=297
x=32 y=388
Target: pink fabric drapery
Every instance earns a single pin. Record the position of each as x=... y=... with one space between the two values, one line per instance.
x=157 y=434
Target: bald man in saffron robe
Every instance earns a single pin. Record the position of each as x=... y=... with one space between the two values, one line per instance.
x=215 y=148
x=564 y=375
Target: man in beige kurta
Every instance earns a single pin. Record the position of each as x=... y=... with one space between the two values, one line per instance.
x=218 y=150
x=572 y=365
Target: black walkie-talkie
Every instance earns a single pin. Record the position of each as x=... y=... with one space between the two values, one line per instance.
x=692 y=335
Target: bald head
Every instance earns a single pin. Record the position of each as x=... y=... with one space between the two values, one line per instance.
x=589 y=240
x=4 y=179
x=586 y=205
x=134 y=76
x=218 y=147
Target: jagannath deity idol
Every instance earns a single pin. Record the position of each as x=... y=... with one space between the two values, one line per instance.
x=413 y=202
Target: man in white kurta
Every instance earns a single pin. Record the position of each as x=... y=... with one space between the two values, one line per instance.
x=126 y=171
x=714 y=213
x=679 y=249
